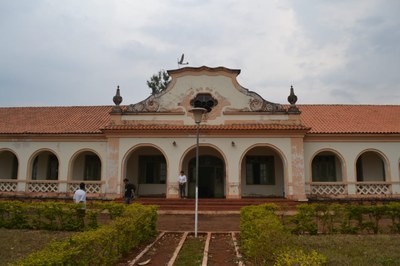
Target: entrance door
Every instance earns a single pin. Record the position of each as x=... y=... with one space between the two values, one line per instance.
x=211 y=177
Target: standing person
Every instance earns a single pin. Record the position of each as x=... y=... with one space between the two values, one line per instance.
x=129 y=193
x=182 y=184
x=80 y=198
x=80 y=194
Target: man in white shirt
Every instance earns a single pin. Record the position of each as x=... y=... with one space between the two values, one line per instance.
x=80 y=198
x=80 y=194
x=182 y=184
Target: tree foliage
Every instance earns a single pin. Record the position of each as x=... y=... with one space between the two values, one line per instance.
x=159 y=82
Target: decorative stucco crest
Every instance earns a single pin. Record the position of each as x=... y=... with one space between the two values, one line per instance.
x=258 y=104
x=151 y=104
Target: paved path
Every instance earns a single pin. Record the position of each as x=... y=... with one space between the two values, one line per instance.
x=206 y=222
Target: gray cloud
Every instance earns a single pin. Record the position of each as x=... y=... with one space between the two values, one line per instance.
x=77 y=52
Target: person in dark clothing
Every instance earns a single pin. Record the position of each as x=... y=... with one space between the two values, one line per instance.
x=129 y=193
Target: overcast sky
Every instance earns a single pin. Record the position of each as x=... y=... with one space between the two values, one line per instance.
x=76 y=52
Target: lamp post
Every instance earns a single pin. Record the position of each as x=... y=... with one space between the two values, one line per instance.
x=197 y=114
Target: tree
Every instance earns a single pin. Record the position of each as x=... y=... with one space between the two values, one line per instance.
x=159 y=82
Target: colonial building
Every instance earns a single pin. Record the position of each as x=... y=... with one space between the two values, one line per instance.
x=248 y=146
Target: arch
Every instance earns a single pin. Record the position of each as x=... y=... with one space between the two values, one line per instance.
x=193 y=147
x=263 y=171
x=398 y=168
x=81 y=167
x=371 y=165
x=146 y=166
x=44 y=164
x=9 y=164
x=212 y=171
x=327 y=168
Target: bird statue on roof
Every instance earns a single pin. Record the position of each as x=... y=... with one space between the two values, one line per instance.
x=180 y=61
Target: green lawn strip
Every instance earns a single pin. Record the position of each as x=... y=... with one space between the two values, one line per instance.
x=16 y=244
x=192 y=251
x=354 y=249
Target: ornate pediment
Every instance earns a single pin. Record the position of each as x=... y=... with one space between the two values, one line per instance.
x=215 y=89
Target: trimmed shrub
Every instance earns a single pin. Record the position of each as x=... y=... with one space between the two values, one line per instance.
x=305 y=221
x=295 y=256
x=393 y=211
x=103 y=246
x=261 y=233
x=55 y=215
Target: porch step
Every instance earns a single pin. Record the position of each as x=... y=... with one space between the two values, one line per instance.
x=215 y=205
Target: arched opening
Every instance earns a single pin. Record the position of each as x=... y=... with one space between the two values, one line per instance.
x=146 y=168
x=211 y=177
x=8 y=165
x=212 y=172
x=45 y=166
x=262 y=173
x=370 y=167
x=326 y=167
x=86 y=167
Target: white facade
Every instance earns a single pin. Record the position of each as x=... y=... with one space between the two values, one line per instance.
x=248 y=147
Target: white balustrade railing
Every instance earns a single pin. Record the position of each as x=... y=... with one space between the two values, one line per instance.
x=340 y=188
x=48 y=186
x=43 y=186
x=8 y=185
x=372 y=188
x=91 y=187
x=328 y=188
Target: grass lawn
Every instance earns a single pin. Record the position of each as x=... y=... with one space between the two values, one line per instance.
x=340 y=249
x=192 y=251
x=16 y=244
x=355 y=249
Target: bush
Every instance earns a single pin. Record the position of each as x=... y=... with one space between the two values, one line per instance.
x=103 y=246
x=261 y=233
x=295 y=256
x=305 y=221
x=55 y=215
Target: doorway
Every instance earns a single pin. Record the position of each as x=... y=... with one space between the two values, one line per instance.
x=211 y=177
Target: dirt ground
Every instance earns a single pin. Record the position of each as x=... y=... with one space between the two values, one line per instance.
x=221 y=249
x=206 y=222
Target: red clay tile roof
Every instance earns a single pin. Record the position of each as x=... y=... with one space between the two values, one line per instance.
x=322 y=119
x=54 y=120
x=351 y=119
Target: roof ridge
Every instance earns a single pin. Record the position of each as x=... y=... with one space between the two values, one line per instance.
x=361 y=105
x=56 y=106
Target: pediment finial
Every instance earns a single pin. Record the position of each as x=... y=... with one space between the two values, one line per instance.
x=117 y=99
x=292 y=99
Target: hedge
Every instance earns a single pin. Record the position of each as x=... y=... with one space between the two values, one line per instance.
x=103 y=246
x=57 y=216
x=261 y=232
x=267 y=238
x=320 y=218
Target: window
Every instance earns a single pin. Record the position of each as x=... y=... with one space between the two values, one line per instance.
x=14 y=173
x=260 y=170
x=92 y=168
x=52 y=167
x=359 y=169
x=204 y=100
x=152 y=170
x=324 y=168
x=35 y=168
